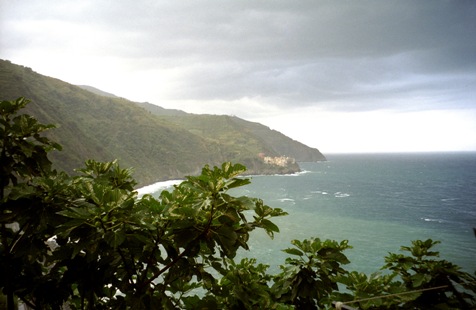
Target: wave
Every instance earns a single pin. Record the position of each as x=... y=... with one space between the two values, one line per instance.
x=449 y=199
x=432 y=220
x=336 y=194
x=287 y=200
x=320 y=192
x=301 y=172
x=149 y=189
x=341 y=195
x=295 y=174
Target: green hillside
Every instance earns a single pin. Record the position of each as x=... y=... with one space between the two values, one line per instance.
x=238 y=133
x=160 y=144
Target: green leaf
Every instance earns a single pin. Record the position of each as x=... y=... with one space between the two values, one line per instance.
x=236 y=182
x=115 y=238
x=270 y=227
x=293 y=251
x=76 y=213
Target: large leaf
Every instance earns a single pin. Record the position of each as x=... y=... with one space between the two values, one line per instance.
x=115 y=238
x=293 y=251
x=269 y=227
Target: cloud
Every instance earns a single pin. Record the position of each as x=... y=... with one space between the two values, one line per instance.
x=363 y=55
x=277 y=56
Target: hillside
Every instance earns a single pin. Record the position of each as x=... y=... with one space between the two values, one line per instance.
x=159 y=144
x=254 y=133
x=234 y=130
x=96 y=91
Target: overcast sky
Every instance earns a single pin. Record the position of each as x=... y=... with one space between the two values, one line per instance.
x=342 y=76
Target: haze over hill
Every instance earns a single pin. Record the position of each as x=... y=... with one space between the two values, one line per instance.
x=160 y=144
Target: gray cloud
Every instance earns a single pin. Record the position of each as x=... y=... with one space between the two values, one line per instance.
x=340 y=55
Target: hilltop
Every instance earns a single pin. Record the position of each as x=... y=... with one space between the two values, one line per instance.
x=160 y=144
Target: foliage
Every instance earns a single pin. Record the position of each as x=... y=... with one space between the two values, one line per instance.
x=308 y=281
x=90 y=242
x=25 y=217
x=23 y=150
x=422 y=270
x=415 y=281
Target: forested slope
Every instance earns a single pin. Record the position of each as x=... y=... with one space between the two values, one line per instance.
x=104 y=127
x=236 y=129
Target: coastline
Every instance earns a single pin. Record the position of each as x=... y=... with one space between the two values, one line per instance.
x=154 y=187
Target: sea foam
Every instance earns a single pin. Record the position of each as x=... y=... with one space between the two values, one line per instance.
x=149 y=189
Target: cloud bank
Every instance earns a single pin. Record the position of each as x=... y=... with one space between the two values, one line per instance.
x=258 y=59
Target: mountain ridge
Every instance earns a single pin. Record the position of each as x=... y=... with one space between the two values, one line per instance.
x=159 y=144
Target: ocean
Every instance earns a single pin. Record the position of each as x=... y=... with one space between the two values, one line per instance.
x=378 y=202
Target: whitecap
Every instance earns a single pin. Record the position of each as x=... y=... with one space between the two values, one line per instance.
x=341 y=195
x=432 y=220
x=448 y=199
x=319 y=192
x=287 y=200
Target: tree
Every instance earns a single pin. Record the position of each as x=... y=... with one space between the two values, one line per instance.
x=149 y=252
x=24 y=217
x=112 y=249
x=416 y=281
x=439 y=283
x=90 y=242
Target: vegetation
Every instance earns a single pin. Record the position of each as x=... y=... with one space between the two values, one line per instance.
x=235 y=132
x=159 y=148
x=89 y=242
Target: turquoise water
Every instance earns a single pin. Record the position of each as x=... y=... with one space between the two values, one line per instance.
x=378 y=202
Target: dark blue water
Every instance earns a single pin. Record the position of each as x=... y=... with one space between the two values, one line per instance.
x=378 y=202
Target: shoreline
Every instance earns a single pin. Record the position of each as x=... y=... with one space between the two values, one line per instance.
x=154 y=187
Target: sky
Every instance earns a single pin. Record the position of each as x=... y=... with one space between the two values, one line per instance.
x=340 y=76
